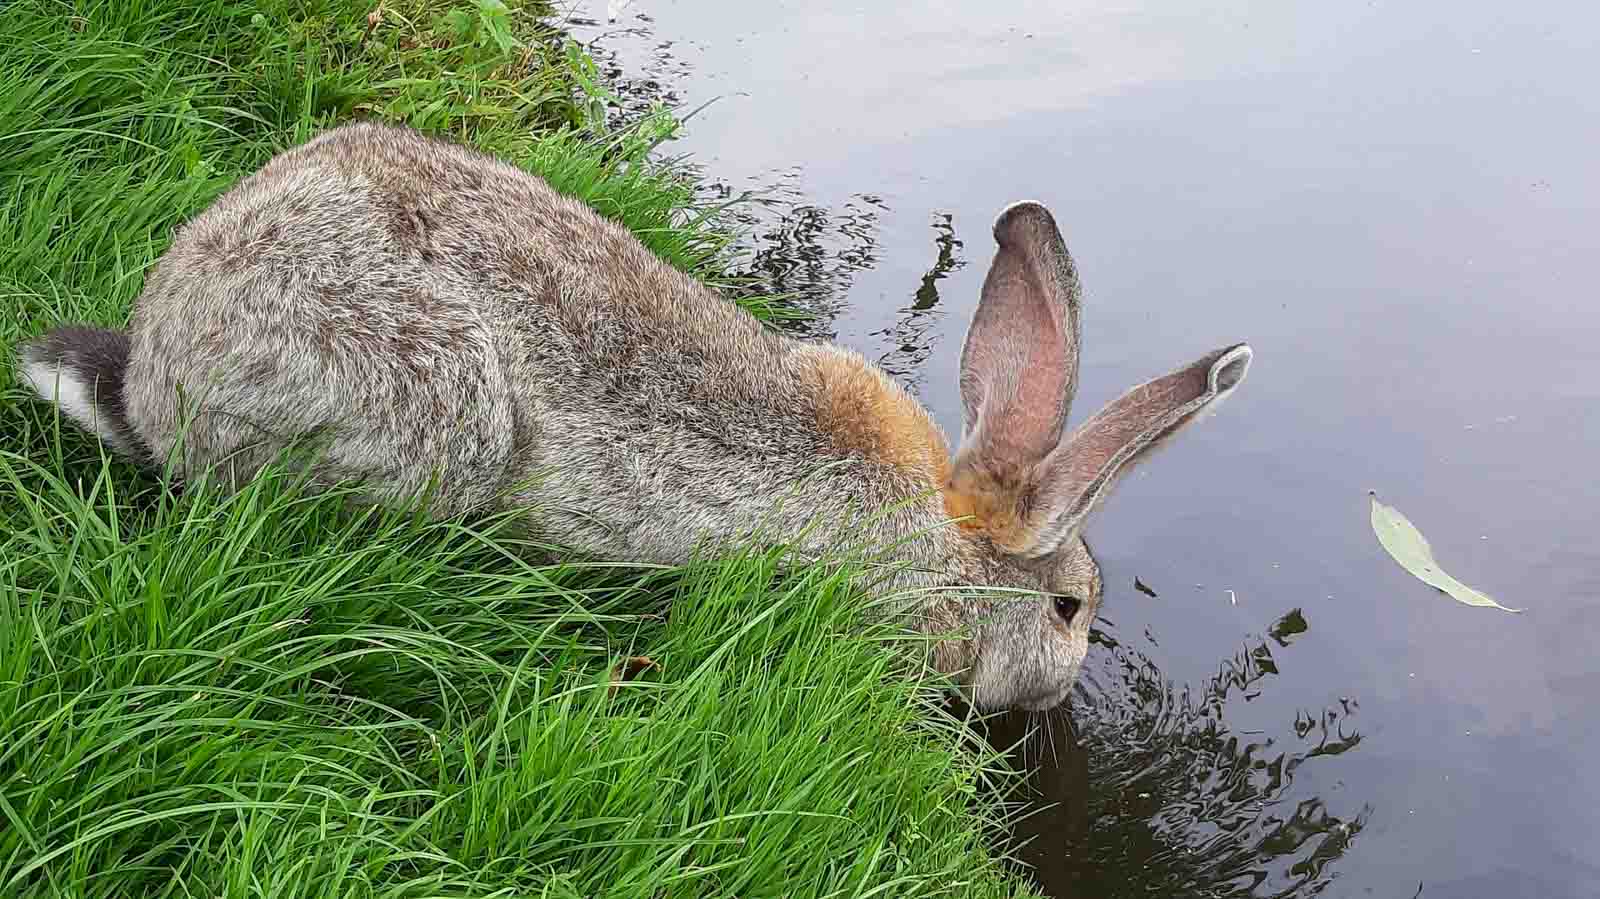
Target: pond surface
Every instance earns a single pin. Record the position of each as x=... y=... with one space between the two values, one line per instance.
x=1398 y=204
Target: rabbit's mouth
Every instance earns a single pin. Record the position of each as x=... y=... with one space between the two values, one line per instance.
x=999 y=694
x=971 y=695
x=1045 y=701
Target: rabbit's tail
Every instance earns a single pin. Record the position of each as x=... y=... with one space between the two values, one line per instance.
x=81 y=370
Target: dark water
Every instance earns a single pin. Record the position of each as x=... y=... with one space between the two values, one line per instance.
x=1398 y=204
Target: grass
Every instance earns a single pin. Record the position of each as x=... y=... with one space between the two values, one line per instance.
x=264 y=694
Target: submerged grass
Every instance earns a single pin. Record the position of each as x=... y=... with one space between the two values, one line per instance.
x=265 y=694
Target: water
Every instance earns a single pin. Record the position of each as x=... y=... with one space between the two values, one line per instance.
x=1398 y=205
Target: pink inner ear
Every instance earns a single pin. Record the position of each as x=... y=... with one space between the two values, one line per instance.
x=1020 y=362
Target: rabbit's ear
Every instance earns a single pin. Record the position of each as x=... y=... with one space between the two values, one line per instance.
x=1033 y=516
x=1019 y=367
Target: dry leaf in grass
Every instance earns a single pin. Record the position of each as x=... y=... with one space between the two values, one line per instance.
x=630 y=668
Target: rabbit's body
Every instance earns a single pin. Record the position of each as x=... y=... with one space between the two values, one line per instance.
x=433 y=314
x=430 y=310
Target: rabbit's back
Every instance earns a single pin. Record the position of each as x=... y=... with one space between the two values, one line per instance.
x=432 y=311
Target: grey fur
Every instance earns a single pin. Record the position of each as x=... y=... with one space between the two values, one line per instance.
x=432 y=312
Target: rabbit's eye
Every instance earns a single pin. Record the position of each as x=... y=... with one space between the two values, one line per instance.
x=1067 y=607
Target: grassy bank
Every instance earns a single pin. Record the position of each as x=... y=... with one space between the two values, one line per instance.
x=259 y=695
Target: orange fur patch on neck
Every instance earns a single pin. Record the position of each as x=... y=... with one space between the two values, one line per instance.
x=867 y=413
x=983 y=503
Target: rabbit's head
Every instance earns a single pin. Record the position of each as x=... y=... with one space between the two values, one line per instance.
x=1021 y=486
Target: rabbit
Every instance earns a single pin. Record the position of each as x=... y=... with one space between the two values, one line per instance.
x=450 y=323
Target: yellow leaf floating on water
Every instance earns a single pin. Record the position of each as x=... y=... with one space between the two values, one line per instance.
x=1408 y=547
